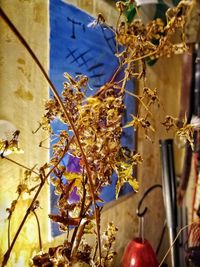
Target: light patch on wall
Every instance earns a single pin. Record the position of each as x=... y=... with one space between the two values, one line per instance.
x=24 y=94
x=1 y=61
x=23 y=69
x=6 y=130
x=21 y=61
x=37 y=13
x=25 y=1
x=8 y=38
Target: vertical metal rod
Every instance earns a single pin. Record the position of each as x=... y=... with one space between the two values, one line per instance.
x=169 y=195
x=141 y=228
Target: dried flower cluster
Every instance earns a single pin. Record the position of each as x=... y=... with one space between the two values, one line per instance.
x=154 y=39
x=145 y=43
x=97 y=121
x=184 y=131
x=10 y=146
x=60 y=255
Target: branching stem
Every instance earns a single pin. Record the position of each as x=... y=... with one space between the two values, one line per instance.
x=30 y=208
x=80 y=215
x=7 y=254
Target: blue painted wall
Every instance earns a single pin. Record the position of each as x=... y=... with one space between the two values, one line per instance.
x=78 y=48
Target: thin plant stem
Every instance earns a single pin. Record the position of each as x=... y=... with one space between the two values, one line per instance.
x=39 y=230
x=33 y=188
x=131 y=61
x=179 y=232
x=66 y=113
x=95 y=251
x=116 y=73
x=7 y=254
x=19 y=164
x=78 y=237
x=139 y=99
x=9 y=221
x=125 y=79
x=117 y=46
x=80 y=215
x=9 y=226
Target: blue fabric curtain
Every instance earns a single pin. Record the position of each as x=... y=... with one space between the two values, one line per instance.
x=76 y=47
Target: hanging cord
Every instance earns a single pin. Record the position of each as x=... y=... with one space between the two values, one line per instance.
x=141 y=214
x=178 y=234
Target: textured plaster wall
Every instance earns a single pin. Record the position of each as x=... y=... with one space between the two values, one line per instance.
x=22 y=94
x=94 y=7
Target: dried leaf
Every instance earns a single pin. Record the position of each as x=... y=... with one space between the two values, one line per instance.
x=72 y=175
x=64 y=220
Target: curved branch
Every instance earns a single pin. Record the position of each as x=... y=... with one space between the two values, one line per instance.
x=39 y=230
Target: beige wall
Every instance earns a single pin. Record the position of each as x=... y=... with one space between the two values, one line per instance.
x=22 y=94
x=94 y=7
x=165 y=75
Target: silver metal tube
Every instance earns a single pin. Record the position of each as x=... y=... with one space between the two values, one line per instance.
x=169 y=195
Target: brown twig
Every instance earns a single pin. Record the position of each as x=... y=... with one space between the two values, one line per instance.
x=79 y=235
x=19 y=164
x=80 y=215
x=95 y=251
x=9 y=226
x=9 y=219
x=39 y=230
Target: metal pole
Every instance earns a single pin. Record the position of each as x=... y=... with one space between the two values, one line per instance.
x=169 y=195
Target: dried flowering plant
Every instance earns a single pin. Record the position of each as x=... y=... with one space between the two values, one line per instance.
x=97 y=121
x=92 y=134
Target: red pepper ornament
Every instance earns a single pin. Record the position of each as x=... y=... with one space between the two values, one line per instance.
x=139 y=253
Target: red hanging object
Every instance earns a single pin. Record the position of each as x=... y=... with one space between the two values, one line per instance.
x=139 y=253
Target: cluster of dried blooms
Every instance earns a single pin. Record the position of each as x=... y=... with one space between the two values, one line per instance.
x=97 y=121
x=84 y=256
x=184 y=131
x=92 y=134
x=153 y=39
x=98 y=124
x=147 y=99
x=145 y=42
x=10 y=146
